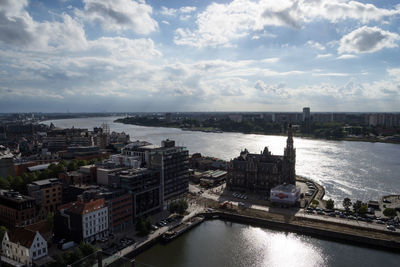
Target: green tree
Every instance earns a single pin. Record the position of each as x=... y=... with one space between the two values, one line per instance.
x=4 y=183
x=330 y=204
x=347 y=203
x=50 y=220
x=72 y=166
x=3 y=230
x=389 y=212
x=179 y=206
x=86 y=249
x=357 y=206
x=363 y=209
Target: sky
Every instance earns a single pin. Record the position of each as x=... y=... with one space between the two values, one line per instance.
x=237 y=55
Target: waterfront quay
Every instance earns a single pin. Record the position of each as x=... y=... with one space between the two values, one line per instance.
x=206 y=205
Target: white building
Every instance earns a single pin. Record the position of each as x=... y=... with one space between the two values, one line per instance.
x=95 y=223
x=126 y=161
x=285 y=194
x=23 y=246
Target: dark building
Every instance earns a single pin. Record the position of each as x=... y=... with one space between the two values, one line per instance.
x=261 y=172
x=119 y=203
x=173 y=163
x=47 y=194
x=16 y=209
x=145 y=187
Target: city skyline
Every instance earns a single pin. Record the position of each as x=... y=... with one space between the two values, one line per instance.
x=240 y=55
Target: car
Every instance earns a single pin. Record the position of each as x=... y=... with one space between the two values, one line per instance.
x=380 y=222
x=241 y=204
x=310 y=211
x=332 y=214
x=154 y=227
x=391 y=228
x=343 y=216
x=308 y=194
x=245 y=197
x=320 y=212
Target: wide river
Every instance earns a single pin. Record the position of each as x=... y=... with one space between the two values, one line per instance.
x=358 y=170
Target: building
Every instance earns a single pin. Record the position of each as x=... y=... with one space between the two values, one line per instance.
x=6 y=163
x=173 y=163
x=287 y=194
x=23 y=246
x=306 y=114
x=145 y=187
x=16 y=209
x=85 y=221
x=119 y=203
x=47 y=194
x=262 y=172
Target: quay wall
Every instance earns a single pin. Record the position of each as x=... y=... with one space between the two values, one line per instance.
x=312 y=231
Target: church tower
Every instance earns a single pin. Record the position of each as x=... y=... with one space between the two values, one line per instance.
x=290 y=159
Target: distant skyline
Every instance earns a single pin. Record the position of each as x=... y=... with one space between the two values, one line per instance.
x=240 y=55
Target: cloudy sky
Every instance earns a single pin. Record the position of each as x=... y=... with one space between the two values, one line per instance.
x=235 y=55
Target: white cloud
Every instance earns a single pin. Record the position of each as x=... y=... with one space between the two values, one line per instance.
x=187 y=9
x=220 y=24
x=324 y=55
x=367 y=40
x=346 y=56
x=168 y=11
x=395 y=73
x=118 y=15
x=316 y=45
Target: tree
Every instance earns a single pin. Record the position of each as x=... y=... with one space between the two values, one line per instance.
x=179 y=206
x=330 y=204
x=142 y=226
x=72 y=166
x=3 y=230
x=4 y=184
x=389 y=212
x=50 y=220
x=86 y=249
x=347 y=203
x=363 y=209
x=357 y=206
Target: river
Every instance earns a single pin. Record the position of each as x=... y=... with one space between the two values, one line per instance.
x=220 y=243
x=359 y=170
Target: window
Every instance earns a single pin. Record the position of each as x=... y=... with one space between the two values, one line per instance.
x=34 y=254
x=44 y=250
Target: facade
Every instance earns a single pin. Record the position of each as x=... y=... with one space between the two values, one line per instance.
x=261 y=172
x=24 y=246
x=6 y=165
x=16 y=209
x=173 y=163
x=47 y=194
x=145 y=187
x=287 y=194
x=306 y=114
x=119 y=203
x=82 y=220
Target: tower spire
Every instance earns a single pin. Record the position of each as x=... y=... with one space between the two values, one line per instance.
x=289 y=141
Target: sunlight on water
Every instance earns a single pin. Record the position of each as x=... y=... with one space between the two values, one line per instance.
x=278 y=249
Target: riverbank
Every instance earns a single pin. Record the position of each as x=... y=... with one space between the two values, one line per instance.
x=305 y=136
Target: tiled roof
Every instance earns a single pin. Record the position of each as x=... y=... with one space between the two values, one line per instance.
x=80 y=207
x=22 y=236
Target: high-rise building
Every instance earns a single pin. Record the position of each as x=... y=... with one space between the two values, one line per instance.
x=306 y=113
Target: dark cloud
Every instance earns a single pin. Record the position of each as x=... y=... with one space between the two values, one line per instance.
x=14 y=30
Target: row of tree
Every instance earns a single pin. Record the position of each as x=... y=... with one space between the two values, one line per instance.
x=18 y=183
x=80 y=252
x=359 y=207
